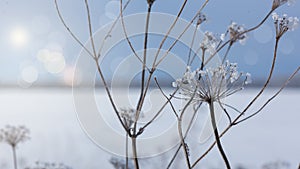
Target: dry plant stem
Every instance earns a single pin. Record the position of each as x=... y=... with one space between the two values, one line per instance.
x=163 y=106
x=269 y=100
x=216 y=133
x=109 y=95
x=182 y=33
x=185 y=135
x=246 y=31
x=15 y=156
x=111 y=28
x=248 y=106
x=126 y=151
x=134 y=151
x=125 y=33
x=227 y=51
x=143 y=91
x=169 y=31
x=69 y=30
x=182 y=138
x=90 y=28
x=190 y=61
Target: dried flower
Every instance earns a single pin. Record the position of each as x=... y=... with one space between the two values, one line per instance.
x=13 y=135
x=212 y=84
x=277 y=3
x=284 y=23
x=236 y=33
x=210 y=42
x=129 y=116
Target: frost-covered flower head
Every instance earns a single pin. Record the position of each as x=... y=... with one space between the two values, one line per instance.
x=235 y=31
x=212 y=84
x=13 y=135
x=277 y=3
x=284 y=23
x=209 y=42
x=128 y=116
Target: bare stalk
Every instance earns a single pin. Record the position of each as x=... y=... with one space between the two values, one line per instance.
x=134 y=151
x=216 y=133
x=15 y=156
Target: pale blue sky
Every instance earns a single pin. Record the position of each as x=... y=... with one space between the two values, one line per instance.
x=31 y=29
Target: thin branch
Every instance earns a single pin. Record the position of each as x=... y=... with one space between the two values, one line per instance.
x=185 y=135
x=169 y=31
x=126 y=35
x=182 y=33
x=70 y=31
x=90 y=28
x=182 y=139
x=142 y=92
x=111 y=29
x=163 y=107
x=270 y=99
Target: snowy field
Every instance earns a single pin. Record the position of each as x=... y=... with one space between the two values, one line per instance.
x=56 y=135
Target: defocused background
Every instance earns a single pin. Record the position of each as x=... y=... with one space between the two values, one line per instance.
x=37 y=50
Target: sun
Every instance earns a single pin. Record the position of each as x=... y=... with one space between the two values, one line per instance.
x=19 y=37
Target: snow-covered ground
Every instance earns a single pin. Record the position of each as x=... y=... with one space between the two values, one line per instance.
x=56 y=135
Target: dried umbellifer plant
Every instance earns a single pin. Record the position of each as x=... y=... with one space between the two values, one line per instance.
x=14 y=135
x=203 y=86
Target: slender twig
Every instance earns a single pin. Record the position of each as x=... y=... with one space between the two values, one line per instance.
x=70 y=31
x=90 y=28
x=185 y=135
x=182 y=138
x=169 y=31
x=270 y=99
x=181 y=34
x=126 y=35
x=126 y=151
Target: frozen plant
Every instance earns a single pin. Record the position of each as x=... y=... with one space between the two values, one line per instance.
x=13 y=135
x=203 y=86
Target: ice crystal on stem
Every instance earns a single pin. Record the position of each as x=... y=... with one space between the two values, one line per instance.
x=212 y=83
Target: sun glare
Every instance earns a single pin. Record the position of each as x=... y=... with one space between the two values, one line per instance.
x=19 y=37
